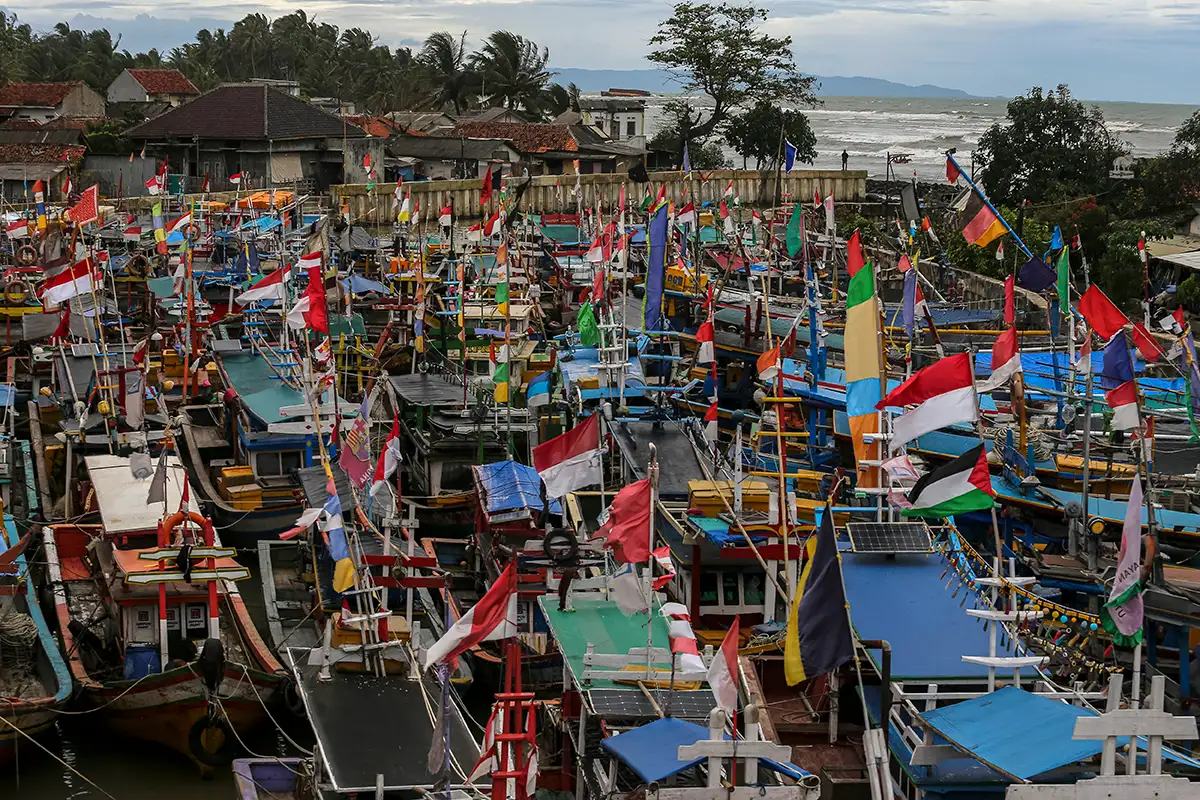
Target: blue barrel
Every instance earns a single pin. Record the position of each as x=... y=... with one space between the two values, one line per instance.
x=141 y=660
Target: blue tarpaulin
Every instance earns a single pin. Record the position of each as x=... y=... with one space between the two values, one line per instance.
x=718 y=532
x=1038 y=373
x=652 y=751
x=357 y=284
x=509 y=486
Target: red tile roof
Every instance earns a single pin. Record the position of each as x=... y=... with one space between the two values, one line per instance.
x=39 y=153
x=163 y=81
x=77 y=123
x=18 y=125
x=375 y=126
x=527 y=137
x=36 y=94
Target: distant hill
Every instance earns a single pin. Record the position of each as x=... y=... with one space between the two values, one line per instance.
x=657 y=80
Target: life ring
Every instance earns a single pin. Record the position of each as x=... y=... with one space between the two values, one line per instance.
x=16 y=292
x=561 y=546
x=27 y=255
x=200 y=737
x=168 y=525
x=138 y=266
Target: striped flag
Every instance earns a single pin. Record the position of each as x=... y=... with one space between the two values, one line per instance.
x=959 y=486
x=493 y=617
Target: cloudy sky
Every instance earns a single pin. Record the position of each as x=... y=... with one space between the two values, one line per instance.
x=1147 y=50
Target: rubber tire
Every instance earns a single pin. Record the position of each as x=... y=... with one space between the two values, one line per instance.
x=561 y=534
x=292 y=700
x=223 y=755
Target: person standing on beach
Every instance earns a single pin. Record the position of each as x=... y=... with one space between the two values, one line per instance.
x=845 y=160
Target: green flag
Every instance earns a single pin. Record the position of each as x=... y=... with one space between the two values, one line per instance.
x=502 y=298
x=589 y=334
x=647 y=201
x=1064 y=279
x=795 y=235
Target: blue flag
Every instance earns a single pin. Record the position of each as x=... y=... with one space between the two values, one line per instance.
x=1036 y=276
x=656 y=271
x=687 y=162
x=789 y=156
x=1118 y=366
x=909 y=308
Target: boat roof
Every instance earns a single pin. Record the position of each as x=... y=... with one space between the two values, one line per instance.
x=600 y=622
x=652 y=750
x=122 y=497
x=263 y=394
x=1014 y=732
x=508 y=486
x=1112 y=511
x=313 y=481
x=674 y=448
x=427 y=390
x=585 y=363
x=903 y=598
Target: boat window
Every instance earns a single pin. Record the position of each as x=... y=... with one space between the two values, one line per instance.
x=280 y=463
x=708 y=587
x=456 y=476
x=730 y=592
x=753 y=590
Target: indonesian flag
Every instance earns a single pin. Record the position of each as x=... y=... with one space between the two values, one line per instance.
x=69 y=188
x=154 y=185
x=140 y=349
x=205 y=186
x=179 y=224
x=944 y=394
x=1123 y=401
x=662 y=557
x=768 y=364
x=723 y=672
x=446 y=216
x=710 y=422
x=493 y=617
x=1171 y=323
x=269 y=288
x=829 y=206
x=756 y=218
x=816 y=199
x=595 y=253
x=683 y=639
x=489 y=227
x=475 y=232
x=77 y=280
x=18 y=229
x=1142 y=249
x=687 y=214
x=310 y=310
x=63 y=332
x=1084 y=363
x=570 y=461
x=1006 y=361
x=705 y=346
x=627 y=530
x=728 y=190
x=236 y=179
x=389 y=459
x=132 y=233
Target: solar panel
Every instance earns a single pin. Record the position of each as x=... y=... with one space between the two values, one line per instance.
x=889 y=537
x=631 y=704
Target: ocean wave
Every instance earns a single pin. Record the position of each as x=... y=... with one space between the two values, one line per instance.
x=827 y=113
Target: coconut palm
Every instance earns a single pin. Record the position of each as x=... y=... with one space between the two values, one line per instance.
x=512 y=72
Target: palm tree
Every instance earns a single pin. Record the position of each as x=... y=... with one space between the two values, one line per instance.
x=444 y=58
x=513 y=71
x=251 y=40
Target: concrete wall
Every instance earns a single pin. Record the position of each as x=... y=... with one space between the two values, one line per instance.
x=124 y=89
x=556 y=193
x=117 y=172
x=83 y=102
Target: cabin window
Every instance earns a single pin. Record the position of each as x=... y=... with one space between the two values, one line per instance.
x=730 y=584
x=708 y=587
x=631 y=128
x=456 y=477
x=730 y=592
x=280 y=463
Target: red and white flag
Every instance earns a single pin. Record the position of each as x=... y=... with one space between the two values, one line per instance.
x=493 y=617
x=1006 y=361
x=662 y=557
x=705 y=343
x=18 y=229
x=236 y=179
x=1123 y=401
x=389 y=458
x=728 y=190
x=132 y=233
x=723 y=671
x=768 y=364
x=570 y=461
x=310 y=310
x=943 y=393
x=179 y=224
x=711 y=426
x=1084 y=363
x=683 y=639
x=1146 y=344
x=627 y=530
x=269 y=288
x=446 y=216
x=79 y=279
x=204 y=187
x=687 y=214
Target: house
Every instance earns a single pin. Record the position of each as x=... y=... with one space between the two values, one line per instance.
x=622 y=119
x=151 y=86
x=23 y=164
x=550 y=148
x=451 y=157
x=269 y=137
x=499 y=114
x=374 y=125
x=423 y=122
x=42 y=102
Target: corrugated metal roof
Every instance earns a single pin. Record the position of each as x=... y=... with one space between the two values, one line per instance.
x=1189 y=259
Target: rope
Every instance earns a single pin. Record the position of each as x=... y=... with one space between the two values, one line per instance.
x=44 y=749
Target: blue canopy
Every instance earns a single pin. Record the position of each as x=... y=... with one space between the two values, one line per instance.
x=1038 y=373
x=357 y=284
x=509 y=486
x=652 y=751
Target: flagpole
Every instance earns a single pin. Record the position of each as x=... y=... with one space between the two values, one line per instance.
x=648 y=578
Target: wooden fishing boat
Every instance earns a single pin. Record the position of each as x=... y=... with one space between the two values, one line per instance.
x=159 y=639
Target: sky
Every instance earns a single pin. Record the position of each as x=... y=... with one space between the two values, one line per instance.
x=1136 y=50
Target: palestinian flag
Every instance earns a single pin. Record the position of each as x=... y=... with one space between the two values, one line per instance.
x=983 y=225
x=962 y=485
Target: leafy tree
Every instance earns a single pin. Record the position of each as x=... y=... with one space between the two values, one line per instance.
x=1050 y=147
x=559 y=99
x=1170 y=182
x=444 y=58
x=15 y=41
x=718 y=49
x=702 y=154
x=759 y=133
x=512 y=72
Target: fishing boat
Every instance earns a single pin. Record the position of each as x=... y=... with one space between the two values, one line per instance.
x=159 y=640
x=34 y=680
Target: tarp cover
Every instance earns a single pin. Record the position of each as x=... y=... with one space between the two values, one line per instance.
x=357 y=284
x=507 y=486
